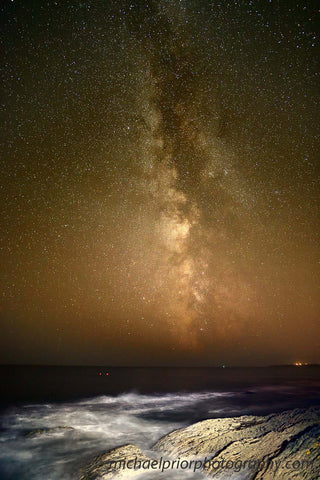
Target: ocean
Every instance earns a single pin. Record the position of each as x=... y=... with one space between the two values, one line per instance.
x=55 y=420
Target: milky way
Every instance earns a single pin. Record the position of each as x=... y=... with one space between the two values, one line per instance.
x=161 y=183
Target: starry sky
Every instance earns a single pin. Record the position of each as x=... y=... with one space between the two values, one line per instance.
x=160 y=201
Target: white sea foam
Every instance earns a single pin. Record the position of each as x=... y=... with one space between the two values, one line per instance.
x=105 y=422
x=33 y=446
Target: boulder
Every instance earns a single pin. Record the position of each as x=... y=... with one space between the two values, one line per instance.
x=114 y=464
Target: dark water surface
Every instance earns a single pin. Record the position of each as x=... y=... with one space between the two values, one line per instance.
x=23 y=384
x=108 y=407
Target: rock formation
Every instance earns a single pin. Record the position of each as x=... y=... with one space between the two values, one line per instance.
x=279 y=446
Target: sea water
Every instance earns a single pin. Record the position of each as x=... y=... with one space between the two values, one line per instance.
x=52 y=439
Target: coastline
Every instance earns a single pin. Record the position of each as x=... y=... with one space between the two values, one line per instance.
x=278 y=446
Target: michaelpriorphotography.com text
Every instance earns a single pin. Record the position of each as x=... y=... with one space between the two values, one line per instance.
x=216 y=465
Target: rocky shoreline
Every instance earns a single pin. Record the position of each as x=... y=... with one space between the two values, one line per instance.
x=281 y=446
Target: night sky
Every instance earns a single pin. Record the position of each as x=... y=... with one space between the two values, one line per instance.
x=160 y=201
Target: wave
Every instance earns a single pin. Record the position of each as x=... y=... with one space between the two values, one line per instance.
x=52 y=441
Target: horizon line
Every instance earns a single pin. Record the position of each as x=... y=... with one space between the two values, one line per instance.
x=223 y=366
